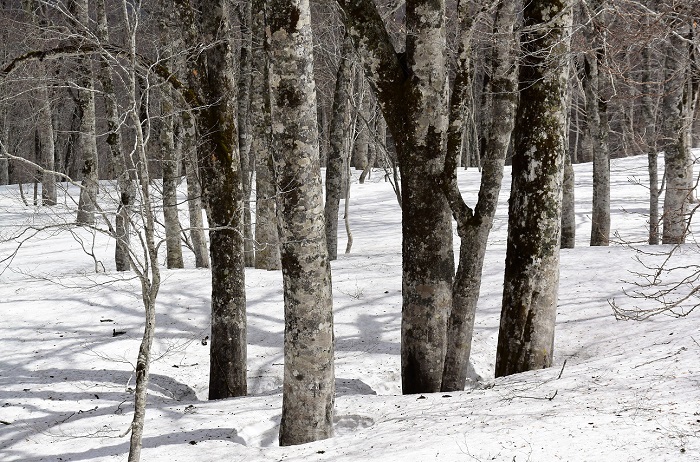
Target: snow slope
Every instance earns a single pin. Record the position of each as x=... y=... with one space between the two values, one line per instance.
x=618 y=391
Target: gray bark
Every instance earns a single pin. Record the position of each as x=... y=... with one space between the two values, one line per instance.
x=568 y=211
x=531 y=282
x=648 y=121
x=309 y=383
x=267 y=252
x=213 y=94
x=194 y=192
x=360 y=148
x=474 y=226
x=340 y=124
x=4 y=160
x=87 y=141
x=114 y=141
x=414 y=103
x=597 y=121
x=677 y=153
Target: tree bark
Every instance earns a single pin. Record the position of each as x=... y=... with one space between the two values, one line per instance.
x=340 y=124
x=531 y=282
x=474 y=227
x=87 y=141
x=267 y=252
x=309 y=383
x=413 y=98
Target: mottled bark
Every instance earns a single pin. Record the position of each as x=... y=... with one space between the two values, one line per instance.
x=568 y=210
x=267 y=252
x=4 y=160
x=413 y=99
x=474 y=226
x=309 y=383
x=116 y=158
x=677 y=153
x=194 y=191
x=340 y=124
x=360 y=149
x=87 y=141
x=213 y=93
x=169 y=162
x=598 y=128
x=244 y=138
x=648 y=121
x=531 y=282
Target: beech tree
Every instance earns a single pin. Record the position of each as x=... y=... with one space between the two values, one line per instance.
x=531 y=282
x=309 y=379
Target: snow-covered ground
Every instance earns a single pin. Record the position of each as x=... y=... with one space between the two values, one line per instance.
x=618 y=391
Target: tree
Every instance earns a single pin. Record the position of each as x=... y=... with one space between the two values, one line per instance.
x=413 y=96
x=309 y=380
x=530 y=288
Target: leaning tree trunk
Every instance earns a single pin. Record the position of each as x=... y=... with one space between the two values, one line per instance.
x=474 y=227
x=340 y=124
x=87 y=140
x=309 y=383
x=267 y=252
x=526 y=334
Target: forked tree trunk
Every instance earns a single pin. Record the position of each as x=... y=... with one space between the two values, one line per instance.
x=340 y=124
x=413 y=98
x=531 y=283
x=309 y=380
x=267 y=252
x=474 y=227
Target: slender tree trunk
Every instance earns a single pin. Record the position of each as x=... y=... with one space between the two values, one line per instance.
x=531 y=283
x=474 y=227
x=267 y=252
x=597 y=121
x=340 y=122
x=194 y=192
x=309 y=380
x=87 y=141
x=360 y=146
x=568 y=210
x=4 y=152
x=677 y=153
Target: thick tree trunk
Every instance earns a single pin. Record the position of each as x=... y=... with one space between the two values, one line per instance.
x=213 y=95
x=267 y=252
x=526 y=335
x=309 y=381
x=414 y=102
x=87 y=141
x=474 y=227
x=340 y=124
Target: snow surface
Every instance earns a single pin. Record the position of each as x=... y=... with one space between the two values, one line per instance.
x=618 y=391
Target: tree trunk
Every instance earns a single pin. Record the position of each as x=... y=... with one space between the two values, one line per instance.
x=677 y=153
x=597 y=121
x=526 y=335
x=267 y=252
x=214 y=96
x=114 y=141
x=474 y=227
x=568 y=210
x=87 y=141
x=4 y=153
x=340 y=124
x=194 y=192
x=169 y=161
x=309 y=383
x=413 y=98
x=360 y=146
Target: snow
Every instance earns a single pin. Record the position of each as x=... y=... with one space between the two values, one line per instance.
x=618 y=391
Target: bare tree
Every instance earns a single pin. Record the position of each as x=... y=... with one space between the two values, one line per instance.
x=531 y=283
x=309 y=379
